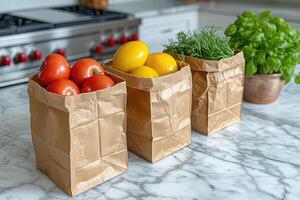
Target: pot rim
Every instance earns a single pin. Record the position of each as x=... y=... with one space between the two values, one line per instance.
x=265 y=75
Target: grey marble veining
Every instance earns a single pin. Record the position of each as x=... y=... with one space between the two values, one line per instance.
x=259 y=158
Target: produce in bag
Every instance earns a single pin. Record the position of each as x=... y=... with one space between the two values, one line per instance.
x=218 y=78
x=79 y=138
x=159 y=100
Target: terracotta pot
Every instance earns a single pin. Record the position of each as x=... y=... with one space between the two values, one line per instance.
x=95 y=4
x=262 y=88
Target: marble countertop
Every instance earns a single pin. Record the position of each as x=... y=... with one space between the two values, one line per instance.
x=258 y=158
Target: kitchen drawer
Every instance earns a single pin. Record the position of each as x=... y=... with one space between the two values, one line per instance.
x=166 y=26
x=156 y=31
x=296 y=25
x=221 y=21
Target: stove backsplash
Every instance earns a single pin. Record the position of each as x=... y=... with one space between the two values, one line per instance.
x=13 y=5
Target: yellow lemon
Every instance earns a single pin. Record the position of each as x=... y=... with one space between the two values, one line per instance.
x=130 y=56
x=145 y=72
x=162 y=63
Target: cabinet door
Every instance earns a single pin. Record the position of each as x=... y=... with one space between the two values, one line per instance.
x=296 y=25
x=221 y=21
x=218 y=20
x=158 y=30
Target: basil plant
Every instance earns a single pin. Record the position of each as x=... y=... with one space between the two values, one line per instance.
x=269 y=43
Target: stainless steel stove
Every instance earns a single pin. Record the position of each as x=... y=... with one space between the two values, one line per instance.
x=73 y=31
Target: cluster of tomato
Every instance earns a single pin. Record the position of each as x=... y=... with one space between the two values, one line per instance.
x=86 y=75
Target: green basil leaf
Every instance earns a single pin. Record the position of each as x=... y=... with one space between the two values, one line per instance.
x=271 y=53
x=296 y=57
x=287 y=73
x=235 y=44
x=246 y=34
x=268 y=29
x=249 y=14
x=230 y=30
x=278 y=21
x=265 y=15
x=292 y=32
x=267 y=67
x=251 y=68
x=297 y=79
x=257 y=37
x=276 y=64
x=287 y=61
x=248 y=51
x=261 y=57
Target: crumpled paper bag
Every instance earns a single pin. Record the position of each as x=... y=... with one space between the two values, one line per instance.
x=158 y=111
x=217 y=92
x=79 y=141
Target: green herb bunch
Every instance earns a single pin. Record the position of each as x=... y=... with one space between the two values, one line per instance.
x=205 y=44
x=270 y=44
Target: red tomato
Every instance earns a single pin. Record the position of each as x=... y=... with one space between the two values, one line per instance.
x=54 y=67
x=96 y=82
x=85 y=68
x=64 y=87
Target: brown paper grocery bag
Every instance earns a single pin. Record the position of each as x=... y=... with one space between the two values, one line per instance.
x=158 y=112
x=217 y=92
x=79 y=141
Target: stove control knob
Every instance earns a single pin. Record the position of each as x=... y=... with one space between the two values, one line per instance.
x=36 y=55
x=123 y=39
x=61 y=52
x=5 y=60
x=21 y=58
x=111 y=42
x=134 y=36
x=99 y=49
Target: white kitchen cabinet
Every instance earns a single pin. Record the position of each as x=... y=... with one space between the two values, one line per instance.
x=157 y=30
x=221 y=21
x=296 y=25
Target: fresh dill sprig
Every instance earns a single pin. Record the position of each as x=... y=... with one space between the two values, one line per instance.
x=206 y=44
